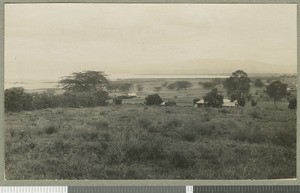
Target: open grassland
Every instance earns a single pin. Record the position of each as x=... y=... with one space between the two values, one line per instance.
x=185 y=97
x=181 y=97
x=139 y=142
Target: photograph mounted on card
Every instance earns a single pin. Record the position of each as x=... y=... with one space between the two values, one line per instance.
x=100 y=91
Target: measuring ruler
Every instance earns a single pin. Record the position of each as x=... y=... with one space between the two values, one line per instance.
x=150 y=189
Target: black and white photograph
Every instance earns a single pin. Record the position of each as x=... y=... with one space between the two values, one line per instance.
x=116 y=91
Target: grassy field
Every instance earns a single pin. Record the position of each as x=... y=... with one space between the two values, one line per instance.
x=182 y=97
x=138 y=142
x=134 y=141
x=185 y=97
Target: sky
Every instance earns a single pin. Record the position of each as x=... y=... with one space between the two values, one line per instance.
x=47 y=41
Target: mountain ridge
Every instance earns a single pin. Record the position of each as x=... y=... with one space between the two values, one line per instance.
x=220 y=66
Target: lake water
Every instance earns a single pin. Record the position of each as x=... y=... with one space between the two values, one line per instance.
x=29 y=84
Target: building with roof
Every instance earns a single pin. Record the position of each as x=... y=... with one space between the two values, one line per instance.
x=226 y=103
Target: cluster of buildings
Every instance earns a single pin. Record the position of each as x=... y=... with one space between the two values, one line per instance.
x=226 y=103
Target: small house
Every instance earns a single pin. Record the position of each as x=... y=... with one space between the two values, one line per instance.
x=200 y=103
x=168 y=103
x=132 y=95
x=229 y=103
x=226 y=103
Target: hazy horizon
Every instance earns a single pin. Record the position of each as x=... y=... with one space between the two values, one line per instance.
x=48 y=41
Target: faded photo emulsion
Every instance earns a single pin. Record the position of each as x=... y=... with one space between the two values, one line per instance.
x=150 y=91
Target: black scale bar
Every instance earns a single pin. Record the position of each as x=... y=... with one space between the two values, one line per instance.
x=246 y=189
x=231 y=189
x=126 y=189
x=182 y=189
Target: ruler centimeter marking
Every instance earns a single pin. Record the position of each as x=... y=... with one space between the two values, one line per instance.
x=151 y=189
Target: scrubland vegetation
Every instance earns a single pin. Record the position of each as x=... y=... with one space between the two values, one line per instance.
x=82 y=135
x=137 y=142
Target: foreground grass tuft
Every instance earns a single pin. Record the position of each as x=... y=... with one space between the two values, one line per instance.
x=50 y=129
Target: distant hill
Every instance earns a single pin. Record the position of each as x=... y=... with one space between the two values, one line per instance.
x=220 y=66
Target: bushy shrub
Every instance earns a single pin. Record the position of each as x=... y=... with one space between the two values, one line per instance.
x=46 y=100
x=213 y=99
x=179 y=85
x=16 y=99
x=100 y=98
x=293 y=103
x=91 y=99
x=153 y=99
x=255 y=114
x=253 y=103
x=241 y=101
x=50 y=129
x=117 y=101
x=208 y=84
x=258 y=83
x=170 y=103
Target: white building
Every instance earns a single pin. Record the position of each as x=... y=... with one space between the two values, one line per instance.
x=226 y=103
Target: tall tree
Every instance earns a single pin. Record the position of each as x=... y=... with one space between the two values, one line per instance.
x=237 y=85
x=207 y=84
x=183 y=85
x=258 y=83
x=153 y=99
x=113 y=86
x=179 y=85
x=276 y=90
x=125 y=87
x=139 y=87
x=157 y=89
x=213 y=99
x=164 y=84
x=85 y=81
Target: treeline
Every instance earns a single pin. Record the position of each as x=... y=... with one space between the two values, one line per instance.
x=90 y=89
x=238 y=88
x=16 y=99
x=82 y=89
